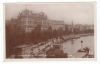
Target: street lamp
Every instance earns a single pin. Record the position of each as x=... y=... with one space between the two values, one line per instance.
x=81 y=44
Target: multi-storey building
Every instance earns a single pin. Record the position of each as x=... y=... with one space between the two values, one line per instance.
x=28 y=20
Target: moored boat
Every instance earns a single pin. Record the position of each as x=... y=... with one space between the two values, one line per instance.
x=56 y=52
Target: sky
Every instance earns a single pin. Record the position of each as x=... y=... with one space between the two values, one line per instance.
x=79 y=13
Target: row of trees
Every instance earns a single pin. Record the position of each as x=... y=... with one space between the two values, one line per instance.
x=16 y=36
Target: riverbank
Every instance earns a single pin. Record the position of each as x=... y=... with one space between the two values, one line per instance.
x=75 y=36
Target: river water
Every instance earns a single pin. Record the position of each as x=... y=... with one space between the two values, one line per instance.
x=71 y=48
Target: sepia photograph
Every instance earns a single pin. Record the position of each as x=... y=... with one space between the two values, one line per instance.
x=50 y=30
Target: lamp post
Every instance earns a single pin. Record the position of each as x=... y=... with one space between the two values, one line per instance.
x=81 y=44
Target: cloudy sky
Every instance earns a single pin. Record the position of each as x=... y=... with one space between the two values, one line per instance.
x=79 y=13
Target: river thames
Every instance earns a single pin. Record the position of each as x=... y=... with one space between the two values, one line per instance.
x=72 y=48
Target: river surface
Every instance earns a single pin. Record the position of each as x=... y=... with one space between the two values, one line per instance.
x=71 y=48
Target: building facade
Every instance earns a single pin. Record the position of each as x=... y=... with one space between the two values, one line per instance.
x=28 y=21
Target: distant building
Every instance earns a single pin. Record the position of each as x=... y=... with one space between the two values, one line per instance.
x=56 y=24
x=80 y=27
x=85 y=27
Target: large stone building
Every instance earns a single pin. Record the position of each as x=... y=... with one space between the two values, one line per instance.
x=28 y=20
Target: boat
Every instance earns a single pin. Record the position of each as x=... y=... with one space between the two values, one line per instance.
x=56 y=52
x=86 y=49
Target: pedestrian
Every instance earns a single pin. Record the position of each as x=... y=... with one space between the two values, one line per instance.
x=81 y=41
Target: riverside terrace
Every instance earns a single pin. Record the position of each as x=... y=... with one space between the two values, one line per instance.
x=39 y=50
